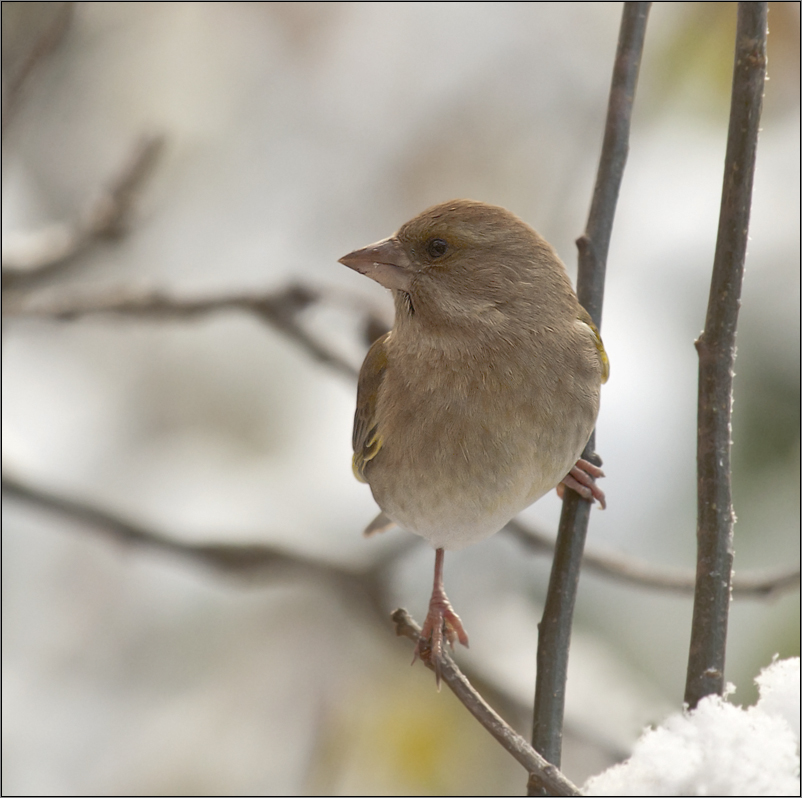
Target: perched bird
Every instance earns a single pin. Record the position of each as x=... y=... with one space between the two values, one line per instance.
x=483 y=395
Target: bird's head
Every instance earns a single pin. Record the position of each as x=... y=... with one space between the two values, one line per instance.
x=464 y=262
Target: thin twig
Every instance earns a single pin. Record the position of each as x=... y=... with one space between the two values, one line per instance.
x=555 y=627
x=109 y=215
x=44 y=43
x=716 y=348
x=106 y=216
x=279 y=309
x=510 y=740
x=368 y=587
x=633 y=571
x=233 y=558
x=257 y=560
x=247 y=562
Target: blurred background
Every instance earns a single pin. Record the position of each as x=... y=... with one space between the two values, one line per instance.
x=292 y=134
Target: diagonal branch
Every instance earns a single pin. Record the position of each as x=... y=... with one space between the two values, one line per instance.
x=367 y=587
x=39 y=255
x=60 y=16
x=546 y=773
x=716 y=348
x=555 y=628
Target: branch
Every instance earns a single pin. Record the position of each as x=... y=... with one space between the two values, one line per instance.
x=256 y=560
x=555 y=628
x=106 y=216
x=242 y=561
x=368 y=586
x=716 y=348
x=44 y=43
x=633 y=571
x=510 y=740
x=279 y=309
x=239 y=559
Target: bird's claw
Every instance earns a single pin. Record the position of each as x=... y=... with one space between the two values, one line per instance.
x=441 y=623
x=582 y=478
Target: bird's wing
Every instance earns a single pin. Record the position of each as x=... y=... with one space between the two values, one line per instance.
x=367 y=439
x=584 y=317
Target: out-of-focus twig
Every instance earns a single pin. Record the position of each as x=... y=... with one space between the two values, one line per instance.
x=280 y=309
x=510 y=740
x=257 y=559
x=38 y=255
x=367 y=588
x=45 y=42
x=256 y=562
x=633 y=571
x=716 y=348
x=234 y=558
x=555 y=628
x=244 y=561
x=110 y=214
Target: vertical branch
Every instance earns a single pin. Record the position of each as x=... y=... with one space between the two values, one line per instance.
x=555 y=627
x=716 y=348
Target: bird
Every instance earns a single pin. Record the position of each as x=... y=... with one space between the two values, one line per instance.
x=482 y=396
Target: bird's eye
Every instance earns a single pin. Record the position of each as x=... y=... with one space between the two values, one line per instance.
x=437 y=248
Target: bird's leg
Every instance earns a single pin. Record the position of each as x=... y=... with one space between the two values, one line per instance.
x=582 y=478
x=441 y=621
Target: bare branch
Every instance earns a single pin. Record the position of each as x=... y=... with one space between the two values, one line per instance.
x=109 y=215
x=39 y=255
x=510 y=740
x=47 y=40
x=249 y=562
x=367 y=588
x=555 y=628
x=716 y=348
x=633 y=571
x=237 y=559
x=256 y=562
x=280 y=309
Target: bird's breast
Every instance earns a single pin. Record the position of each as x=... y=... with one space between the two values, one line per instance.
x=467 y=446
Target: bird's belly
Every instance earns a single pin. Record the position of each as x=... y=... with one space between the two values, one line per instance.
x=456 y=484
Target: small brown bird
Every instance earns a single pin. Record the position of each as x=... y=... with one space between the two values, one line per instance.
x=483 y=395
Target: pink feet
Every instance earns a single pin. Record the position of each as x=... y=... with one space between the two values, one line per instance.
x=441 y=623
x=582 y=478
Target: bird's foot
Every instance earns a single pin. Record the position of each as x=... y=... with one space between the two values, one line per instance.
x=441 y=623
x=582 y=478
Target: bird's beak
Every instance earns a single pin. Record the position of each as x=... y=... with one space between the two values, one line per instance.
x=386 y=262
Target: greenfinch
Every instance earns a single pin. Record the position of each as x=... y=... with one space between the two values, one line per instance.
x=483 y=395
